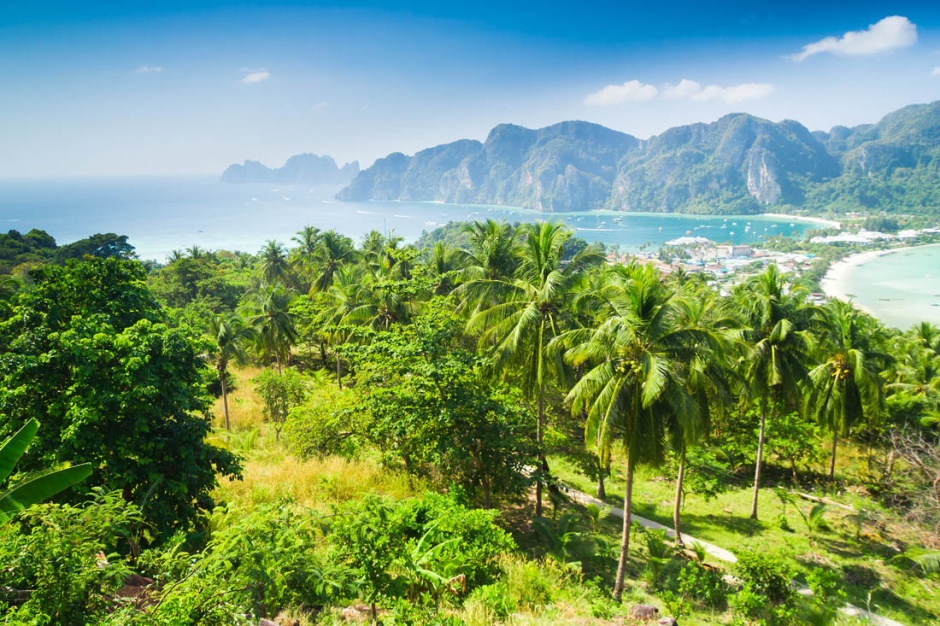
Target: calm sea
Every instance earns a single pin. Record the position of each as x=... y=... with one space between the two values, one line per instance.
x=160 y=215
x=901 y=288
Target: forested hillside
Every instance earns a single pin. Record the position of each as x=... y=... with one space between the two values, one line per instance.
x=739 y=164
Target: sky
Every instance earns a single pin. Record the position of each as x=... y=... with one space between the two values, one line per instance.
x=187 y=87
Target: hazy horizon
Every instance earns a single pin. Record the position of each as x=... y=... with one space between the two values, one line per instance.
x=186 y=88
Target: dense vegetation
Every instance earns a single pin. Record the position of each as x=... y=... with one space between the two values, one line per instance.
x=398 y=429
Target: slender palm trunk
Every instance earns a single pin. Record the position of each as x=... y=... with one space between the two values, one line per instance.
x=228 y=426
x=678 y=504
x=625 y=539
x=832 y=459
x=339 y=373
x=602 y=472
x=760 y=457
x=543 y=464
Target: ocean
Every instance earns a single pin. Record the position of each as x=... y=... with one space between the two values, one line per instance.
x=159 y=215
x=901 y=288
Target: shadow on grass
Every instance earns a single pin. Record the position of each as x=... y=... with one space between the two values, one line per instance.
x=881 y=597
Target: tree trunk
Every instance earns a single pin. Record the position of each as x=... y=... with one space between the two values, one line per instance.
x=339 y=373
x=543 y=464
x=228 y=426
x=602 y=473
x=760 y=457
x=323 y=354
x=678 y=504
x=625 y=540
x=832 y=460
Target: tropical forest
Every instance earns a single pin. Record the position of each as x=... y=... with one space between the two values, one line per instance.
x=496 y=426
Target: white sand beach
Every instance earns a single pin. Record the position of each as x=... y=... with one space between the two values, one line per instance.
x=814 y=220
x=833 y=283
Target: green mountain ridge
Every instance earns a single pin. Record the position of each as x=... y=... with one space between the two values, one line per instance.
x=737 y=164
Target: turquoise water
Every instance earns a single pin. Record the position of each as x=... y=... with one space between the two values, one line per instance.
x=900 y=288
x=160 y=215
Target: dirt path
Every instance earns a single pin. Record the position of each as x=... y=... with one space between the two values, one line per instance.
x=721 y=554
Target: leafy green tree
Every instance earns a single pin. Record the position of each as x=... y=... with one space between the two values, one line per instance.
x=102 y=246
x=431 y=405
x=281 y=392
x=88 y=353
x=636 y=386
x=846 y=387
x=523 y=315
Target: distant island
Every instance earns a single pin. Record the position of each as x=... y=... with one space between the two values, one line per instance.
x=302 y=169
x=739 y=164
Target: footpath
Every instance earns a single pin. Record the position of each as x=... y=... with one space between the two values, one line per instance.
x=720 y=553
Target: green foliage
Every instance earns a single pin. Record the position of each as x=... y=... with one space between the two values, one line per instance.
x=66 y=556
x=255 y=562
x=432 y=407
x=87 y=353
x=703 y=586
x=35 y=488
x=767 y=575
x=280 y=392
x=327 y=423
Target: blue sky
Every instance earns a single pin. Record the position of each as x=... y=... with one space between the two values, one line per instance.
x=158 y=88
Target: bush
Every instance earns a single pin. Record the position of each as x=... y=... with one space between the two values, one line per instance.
x=766 y=574
x=58 y=551
x=703 y=586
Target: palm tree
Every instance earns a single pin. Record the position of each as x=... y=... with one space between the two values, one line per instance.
x=303 y=257
x=636 y=388
x=527 y=313
x=709 y=375
x=273 y=264
x=346 y=294
x=268 y=311
x=333 y=251
x=777 y=322
x=846 y=386
x=229 y=334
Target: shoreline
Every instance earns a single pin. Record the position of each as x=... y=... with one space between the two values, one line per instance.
x=814 y=220
x=833 y=283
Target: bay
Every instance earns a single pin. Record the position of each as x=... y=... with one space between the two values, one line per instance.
x=899 y=287
x=160 y=214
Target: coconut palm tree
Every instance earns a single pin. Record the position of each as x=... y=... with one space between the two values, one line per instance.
x=778 y=323
x=230 y=336
x=524 y=314
x=268 y=311
x=846 y=386
x=333 y=252
x=273 y=264
x=710 y=375
x=636 y=387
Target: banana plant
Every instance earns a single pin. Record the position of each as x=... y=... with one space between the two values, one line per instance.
x=34 y=487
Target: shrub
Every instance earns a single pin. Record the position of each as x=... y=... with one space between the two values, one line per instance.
x=704 y=586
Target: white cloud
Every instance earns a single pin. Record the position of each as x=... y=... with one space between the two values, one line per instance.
x=321 y=105
x=935 y=72
x=735 y=93
x=631 y=91
x=256 y=77
x=692 y=90
x=148 y=69
x=889 y=34
x=685 y=89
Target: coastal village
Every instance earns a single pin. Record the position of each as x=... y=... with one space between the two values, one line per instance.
x=728 y=264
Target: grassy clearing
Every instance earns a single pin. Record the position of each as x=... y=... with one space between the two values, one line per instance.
x=859 y=552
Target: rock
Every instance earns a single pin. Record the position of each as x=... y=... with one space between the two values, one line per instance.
x=267 y=622
x=644 y=612
x=668 y=621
